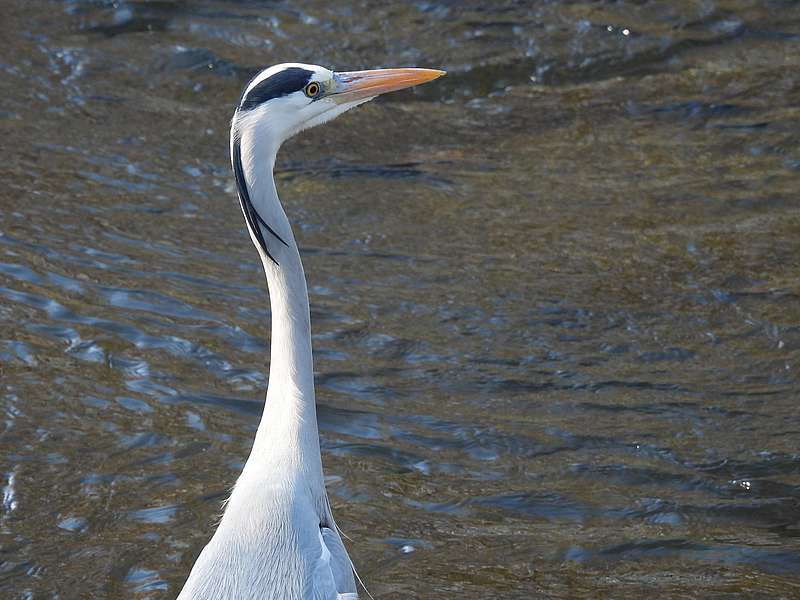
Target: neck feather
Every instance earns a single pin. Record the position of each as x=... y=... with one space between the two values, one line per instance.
x=288 y=433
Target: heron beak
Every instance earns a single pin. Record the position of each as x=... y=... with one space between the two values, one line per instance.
x=356 y=85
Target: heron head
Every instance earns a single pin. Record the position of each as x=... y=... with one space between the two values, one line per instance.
x=285 y=99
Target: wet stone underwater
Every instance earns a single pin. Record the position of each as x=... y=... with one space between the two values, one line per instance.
x=554 y=295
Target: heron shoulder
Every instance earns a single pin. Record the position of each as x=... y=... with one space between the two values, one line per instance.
x=269 y=544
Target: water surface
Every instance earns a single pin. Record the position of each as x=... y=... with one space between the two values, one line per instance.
x=554 y=295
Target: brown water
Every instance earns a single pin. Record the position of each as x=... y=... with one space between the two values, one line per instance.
x=554 y=295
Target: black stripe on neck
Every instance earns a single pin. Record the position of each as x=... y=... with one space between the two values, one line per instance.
x=282 y=83
x=250 y=213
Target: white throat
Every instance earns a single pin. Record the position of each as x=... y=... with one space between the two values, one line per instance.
x=288 y=432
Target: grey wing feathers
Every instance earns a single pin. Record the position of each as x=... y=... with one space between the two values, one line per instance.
x=340 y=564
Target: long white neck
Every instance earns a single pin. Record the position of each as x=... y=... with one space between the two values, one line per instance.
x=287 y=437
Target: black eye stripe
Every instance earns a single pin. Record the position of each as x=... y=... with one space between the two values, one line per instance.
x=292 y=79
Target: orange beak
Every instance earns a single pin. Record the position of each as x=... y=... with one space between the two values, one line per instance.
x=356 y=85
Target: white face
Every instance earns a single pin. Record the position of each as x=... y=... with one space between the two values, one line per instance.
x=288 y=98
x=321 y=98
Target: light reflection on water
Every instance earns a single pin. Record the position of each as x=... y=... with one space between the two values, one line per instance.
x=553 y=295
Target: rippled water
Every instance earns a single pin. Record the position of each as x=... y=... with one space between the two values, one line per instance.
x=554 y=295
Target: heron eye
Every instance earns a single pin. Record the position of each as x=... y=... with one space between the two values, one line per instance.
x=312 y=89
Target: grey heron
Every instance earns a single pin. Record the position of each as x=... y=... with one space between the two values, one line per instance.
x=277 y=538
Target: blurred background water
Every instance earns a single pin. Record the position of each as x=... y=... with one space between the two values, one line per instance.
x=554 y=295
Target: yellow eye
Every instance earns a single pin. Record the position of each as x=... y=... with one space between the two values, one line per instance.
x=312 y=89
